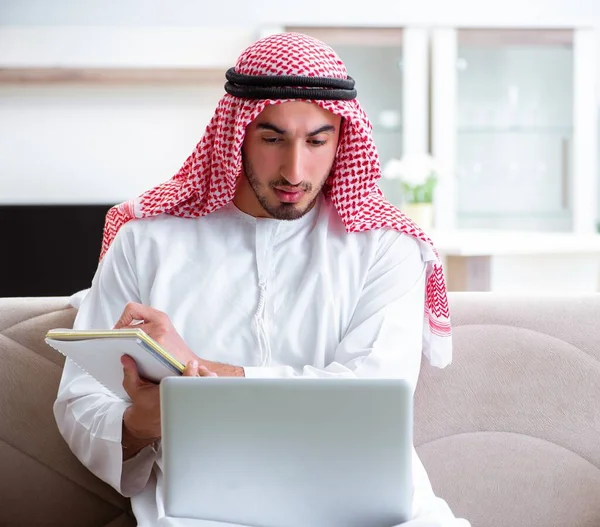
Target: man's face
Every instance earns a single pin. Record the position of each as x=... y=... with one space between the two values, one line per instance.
x=288 y=152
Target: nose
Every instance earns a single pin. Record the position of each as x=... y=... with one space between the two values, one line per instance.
x=292 y=169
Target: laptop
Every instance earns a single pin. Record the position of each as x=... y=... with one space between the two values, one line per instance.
x=288 y=452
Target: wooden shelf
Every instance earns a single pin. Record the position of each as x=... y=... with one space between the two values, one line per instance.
x=110 y=75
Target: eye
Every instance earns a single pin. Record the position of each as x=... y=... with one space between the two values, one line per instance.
x=271 y=140
x=317 y=142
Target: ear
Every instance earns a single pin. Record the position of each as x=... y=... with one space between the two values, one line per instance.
x=340 y=134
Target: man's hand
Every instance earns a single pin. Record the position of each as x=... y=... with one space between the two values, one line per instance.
x=157 y=325
x=141 y=420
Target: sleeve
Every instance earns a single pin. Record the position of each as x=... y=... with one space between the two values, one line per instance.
x=88 y=416
x=385 y=339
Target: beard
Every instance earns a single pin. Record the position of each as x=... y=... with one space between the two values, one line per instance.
x=265 y=194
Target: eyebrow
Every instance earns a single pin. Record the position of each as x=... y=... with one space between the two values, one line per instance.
x=277 y=130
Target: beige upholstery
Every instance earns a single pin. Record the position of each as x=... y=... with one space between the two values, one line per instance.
x=41 y=482
x=509 y=433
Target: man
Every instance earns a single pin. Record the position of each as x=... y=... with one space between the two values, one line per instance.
x=270 y=254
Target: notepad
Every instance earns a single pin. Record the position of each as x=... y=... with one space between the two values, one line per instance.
x=99 y=352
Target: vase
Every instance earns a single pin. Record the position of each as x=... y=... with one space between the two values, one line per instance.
x=420 y=213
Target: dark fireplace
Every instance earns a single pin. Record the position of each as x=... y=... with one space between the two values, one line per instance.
x=49 y=250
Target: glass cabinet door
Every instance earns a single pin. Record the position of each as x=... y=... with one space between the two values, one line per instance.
x=374 y=58
x=516 y=104
x=515 y=128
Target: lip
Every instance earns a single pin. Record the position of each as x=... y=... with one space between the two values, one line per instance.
x=289 y=197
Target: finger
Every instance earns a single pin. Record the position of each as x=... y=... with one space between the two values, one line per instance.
x=203 y=371
x=134 y=311
x=146 y=328
x=131 y=377
x=191 y=369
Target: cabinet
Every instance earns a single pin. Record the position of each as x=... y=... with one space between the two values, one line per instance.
x=514 y=126
x=509 y=114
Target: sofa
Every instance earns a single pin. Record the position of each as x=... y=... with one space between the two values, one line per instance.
x=509 y=433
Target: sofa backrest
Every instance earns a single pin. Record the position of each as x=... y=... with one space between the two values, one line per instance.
x=510 y=432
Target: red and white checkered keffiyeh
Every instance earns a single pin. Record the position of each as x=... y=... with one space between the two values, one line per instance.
x=207 y=180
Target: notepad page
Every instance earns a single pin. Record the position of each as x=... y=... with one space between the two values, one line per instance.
x=101 y=358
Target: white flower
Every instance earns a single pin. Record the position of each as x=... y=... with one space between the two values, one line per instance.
x=393 y=169
x=412 y=170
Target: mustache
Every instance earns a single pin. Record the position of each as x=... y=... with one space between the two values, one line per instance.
x=303 y=185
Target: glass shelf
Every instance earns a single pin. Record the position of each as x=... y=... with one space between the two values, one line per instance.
x=565 y=131
x=550 y=222
x=548 y=214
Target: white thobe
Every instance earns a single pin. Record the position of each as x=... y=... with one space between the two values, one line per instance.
x=279 y=298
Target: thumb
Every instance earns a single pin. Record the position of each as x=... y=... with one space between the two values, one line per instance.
x=134 y=311
x=191 y=369
x=131 y=377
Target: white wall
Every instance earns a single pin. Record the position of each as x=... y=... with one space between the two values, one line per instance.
x=88 y=144
x=116 y=46
x=243 y=13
